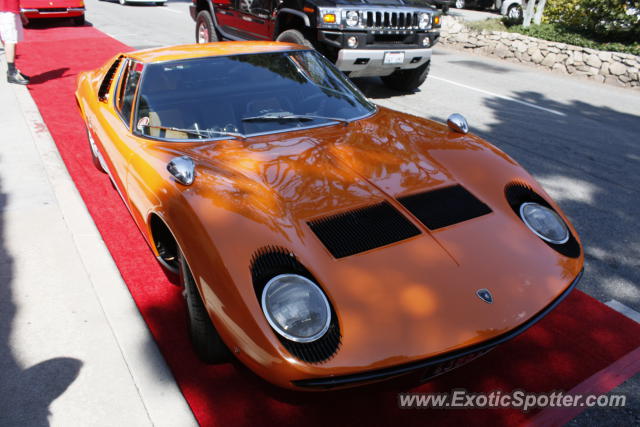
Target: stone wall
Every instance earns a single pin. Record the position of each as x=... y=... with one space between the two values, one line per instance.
x=614 y=68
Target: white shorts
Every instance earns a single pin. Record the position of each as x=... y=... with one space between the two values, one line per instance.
x=11 y=27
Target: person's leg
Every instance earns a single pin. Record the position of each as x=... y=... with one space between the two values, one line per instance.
x=12 y=34
x=10 y=53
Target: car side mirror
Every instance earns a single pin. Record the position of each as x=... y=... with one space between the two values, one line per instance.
x=183 y=169
x=458 y=123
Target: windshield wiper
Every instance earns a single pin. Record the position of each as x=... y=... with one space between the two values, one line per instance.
x=284 y=115
x=203 y=133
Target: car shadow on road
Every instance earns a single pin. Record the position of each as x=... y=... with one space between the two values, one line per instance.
x=373 y=88
x=481 y=65
x=25 y=393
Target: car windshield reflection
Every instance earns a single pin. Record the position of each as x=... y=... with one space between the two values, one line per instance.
x=251 y=94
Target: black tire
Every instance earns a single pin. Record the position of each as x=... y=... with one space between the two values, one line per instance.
x=294 y=36
x=515 y=13
x=205 y=30
x=159 y=3
x=445 y=9
x=460 y=4
x=94 y=157
x=407 y=80
x=78 y=20
x=205 y=339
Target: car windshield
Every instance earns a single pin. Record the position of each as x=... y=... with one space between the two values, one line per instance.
x=249 y=94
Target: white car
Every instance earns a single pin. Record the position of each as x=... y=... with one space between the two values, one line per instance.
x=512 y=9
x=509 y=8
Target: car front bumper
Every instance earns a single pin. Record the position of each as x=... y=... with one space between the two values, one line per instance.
x=65 y=12
x=371 y=62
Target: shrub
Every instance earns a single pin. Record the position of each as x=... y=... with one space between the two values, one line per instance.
x=557 y=33
x=607 y=20
x=561 y=34
x=566 y=12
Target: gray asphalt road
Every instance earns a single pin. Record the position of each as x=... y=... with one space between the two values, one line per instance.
x=580 y=139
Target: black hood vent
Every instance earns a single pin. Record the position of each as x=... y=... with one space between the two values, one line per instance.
x=444 y=207
x=360 y=230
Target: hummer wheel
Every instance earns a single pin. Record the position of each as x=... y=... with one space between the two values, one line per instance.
x=205 y=30
x=294 y=36
x=407 y=80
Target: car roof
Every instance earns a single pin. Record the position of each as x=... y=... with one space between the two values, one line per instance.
x=173 y=53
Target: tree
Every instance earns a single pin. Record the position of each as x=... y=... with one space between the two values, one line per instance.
x=537 y=19
x=532 y=9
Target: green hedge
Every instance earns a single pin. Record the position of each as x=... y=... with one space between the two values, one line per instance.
x=562 y=34
x=605 y=20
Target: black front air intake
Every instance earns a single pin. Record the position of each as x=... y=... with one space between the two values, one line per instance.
x=443 y=207
x=360 y=230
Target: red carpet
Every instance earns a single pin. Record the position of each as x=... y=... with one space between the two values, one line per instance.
x=581 y=337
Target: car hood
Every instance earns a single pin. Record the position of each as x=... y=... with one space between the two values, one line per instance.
x=297 y=176
x=412 y=299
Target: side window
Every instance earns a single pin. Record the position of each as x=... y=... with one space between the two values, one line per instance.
x=127 y=89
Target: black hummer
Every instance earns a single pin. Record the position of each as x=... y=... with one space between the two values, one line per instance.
x=387 y=38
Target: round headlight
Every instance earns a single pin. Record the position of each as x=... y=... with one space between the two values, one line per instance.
x=352 y=18
x=296 y=308
x=544 y=222
x=423 y=20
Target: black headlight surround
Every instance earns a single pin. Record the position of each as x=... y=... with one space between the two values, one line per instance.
x=271 y=261
x=518 y=193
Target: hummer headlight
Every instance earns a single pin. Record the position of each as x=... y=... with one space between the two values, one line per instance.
x=424 y=19
x=353 y=19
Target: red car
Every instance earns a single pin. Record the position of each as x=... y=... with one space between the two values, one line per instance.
x=41 y=9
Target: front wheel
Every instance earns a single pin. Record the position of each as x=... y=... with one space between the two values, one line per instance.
x=122 y=2
x=294 y=36
x=407 y=80
x=205 y=30
x=205 y=339
x=514 y=13
x=460 y=4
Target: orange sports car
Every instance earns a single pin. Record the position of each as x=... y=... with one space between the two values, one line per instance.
x=323 y=241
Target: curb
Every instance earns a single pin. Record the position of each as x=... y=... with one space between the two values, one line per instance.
x=154 y=382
